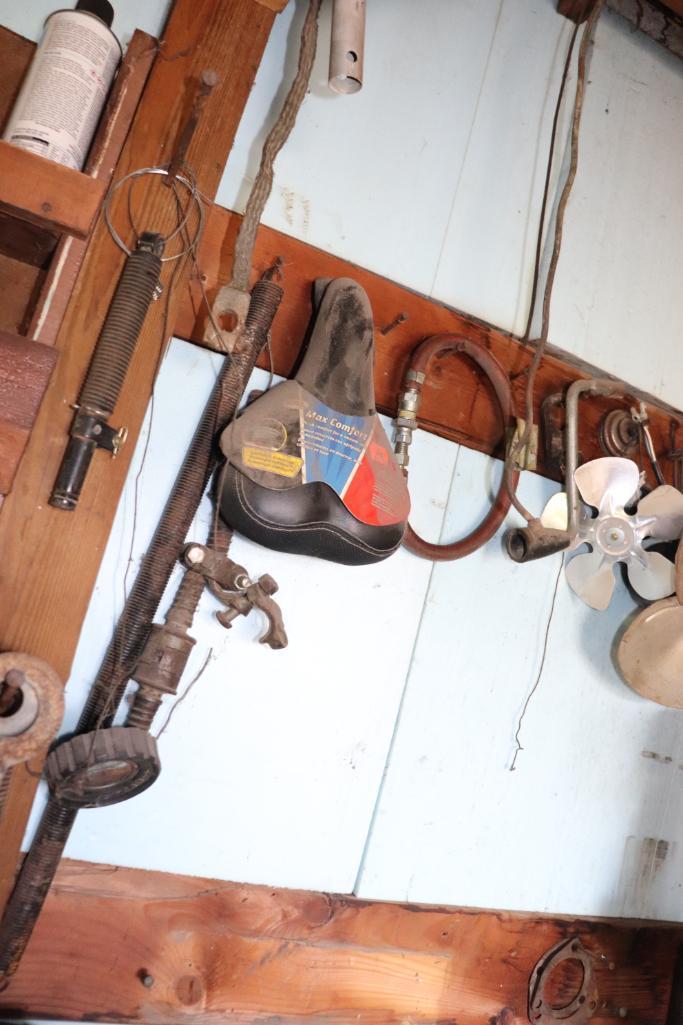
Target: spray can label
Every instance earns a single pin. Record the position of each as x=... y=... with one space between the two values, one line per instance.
x=58 y=107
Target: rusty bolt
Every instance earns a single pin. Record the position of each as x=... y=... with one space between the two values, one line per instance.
x=195 y=555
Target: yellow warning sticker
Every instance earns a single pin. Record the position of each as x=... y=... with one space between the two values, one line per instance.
x=272 y=462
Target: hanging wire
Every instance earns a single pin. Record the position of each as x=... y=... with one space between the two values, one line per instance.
x=522 y=442
x=279 y=133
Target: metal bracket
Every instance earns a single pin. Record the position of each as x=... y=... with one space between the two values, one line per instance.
x=92 y=427
x=229 y=310
x=234 y=588
x=581 y=1008
x=527 y=458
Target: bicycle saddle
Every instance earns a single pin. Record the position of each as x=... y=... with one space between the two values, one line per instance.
x=310 y=469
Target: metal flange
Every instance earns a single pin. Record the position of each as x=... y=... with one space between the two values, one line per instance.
x=583 y=1005
x=33 y=722
x=96 y=769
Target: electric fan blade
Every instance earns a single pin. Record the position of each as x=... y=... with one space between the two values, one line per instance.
x=657 y=581
x=591 y=577
x=666 y=504
x=555 y=515
x=608 y=482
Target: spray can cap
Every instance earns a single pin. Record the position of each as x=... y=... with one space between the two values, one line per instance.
x=102 y=9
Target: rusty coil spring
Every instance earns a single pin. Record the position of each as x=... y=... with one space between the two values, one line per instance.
x=120 y=331
x=41 y=862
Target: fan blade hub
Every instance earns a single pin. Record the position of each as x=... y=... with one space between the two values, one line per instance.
x=615 y=536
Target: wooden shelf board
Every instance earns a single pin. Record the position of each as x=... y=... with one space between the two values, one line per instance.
x=47 y=194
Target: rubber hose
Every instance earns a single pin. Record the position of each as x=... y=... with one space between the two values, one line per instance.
x=430 y=349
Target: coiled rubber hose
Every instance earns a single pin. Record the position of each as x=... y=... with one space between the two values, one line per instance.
x=430 y=349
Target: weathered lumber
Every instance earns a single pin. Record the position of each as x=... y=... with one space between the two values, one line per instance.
x=117 y=944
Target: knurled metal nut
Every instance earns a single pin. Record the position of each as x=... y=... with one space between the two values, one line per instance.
x=88 y=749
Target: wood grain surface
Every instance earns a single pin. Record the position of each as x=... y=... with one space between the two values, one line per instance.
x=48 y=194
x=213 y=951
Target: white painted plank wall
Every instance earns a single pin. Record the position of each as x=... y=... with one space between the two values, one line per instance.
x=432 y=175
x=272 y=764
x=570 y=830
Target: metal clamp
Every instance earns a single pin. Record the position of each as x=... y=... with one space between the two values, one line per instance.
x=234 y=588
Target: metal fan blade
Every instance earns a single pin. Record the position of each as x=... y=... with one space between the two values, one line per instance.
x=609 y=482
x=658 y=580
x=666 y=504
x=591 y=577
x=555 y=515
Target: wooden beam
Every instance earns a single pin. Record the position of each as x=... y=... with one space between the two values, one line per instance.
x=48 y=194
x=124 y=945
x=50 y=557
x=25 y=369
x=17 y=53
x=456 y=403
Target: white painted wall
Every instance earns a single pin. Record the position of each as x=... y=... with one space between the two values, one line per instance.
x=27 y=17
x=374 y=754
x=432 y=175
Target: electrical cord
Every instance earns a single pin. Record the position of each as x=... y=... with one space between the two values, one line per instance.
x=523 y=440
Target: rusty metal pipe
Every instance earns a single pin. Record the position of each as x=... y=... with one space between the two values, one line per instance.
x=347 y=46
x=593 y=386
x=430 y=349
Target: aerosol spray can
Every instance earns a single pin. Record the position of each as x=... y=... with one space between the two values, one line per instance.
x=62 y=97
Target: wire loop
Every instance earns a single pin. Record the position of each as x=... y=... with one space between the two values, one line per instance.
x=187 y=181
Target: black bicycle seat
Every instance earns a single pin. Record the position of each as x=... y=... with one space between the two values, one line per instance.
x=310 y=469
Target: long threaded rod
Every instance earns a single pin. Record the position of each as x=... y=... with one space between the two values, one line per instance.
x=40 y=865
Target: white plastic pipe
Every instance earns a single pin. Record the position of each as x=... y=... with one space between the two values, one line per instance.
x=347 y=46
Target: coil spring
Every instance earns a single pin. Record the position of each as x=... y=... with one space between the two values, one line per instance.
x=121 y=329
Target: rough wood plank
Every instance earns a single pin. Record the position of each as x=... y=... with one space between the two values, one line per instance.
x=17 y=54
x=46 y=193
x=456 y=403
x=20 y=285
x=104 y=153
x=25 y=369
x=51 y=558
x=241 y=954
x=274 y=5
x=24 y=241
x=13 y=440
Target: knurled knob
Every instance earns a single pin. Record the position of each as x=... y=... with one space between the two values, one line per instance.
x=104 y=767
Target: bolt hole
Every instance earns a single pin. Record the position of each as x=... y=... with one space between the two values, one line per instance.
x=11 y=699
x=228 y=320
x=564 y=983
x=352 y=56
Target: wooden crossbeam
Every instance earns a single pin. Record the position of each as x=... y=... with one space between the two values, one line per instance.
x=456 y=401
x=123 y=945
